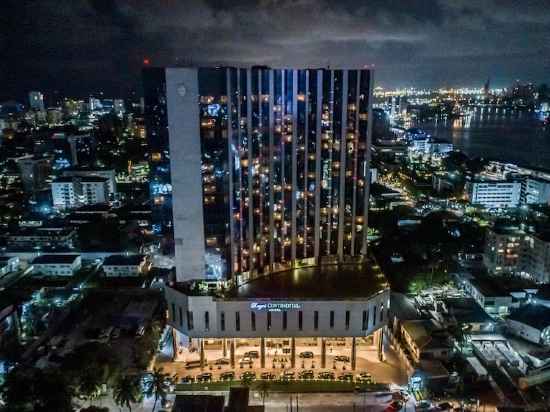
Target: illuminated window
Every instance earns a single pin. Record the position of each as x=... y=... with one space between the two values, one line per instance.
x=189 y=320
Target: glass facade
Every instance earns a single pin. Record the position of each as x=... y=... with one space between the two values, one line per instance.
x=284 y=163
x=156 y=125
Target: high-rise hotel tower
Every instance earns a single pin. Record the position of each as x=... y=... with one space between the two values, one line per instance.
x=267 y=173
x=268 y=168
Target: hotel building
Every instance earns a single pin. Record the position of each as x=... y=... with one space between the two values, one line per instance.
x=269 y=186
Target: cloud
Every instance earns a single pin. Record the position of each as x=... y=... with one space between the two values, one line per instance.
x=104 y=41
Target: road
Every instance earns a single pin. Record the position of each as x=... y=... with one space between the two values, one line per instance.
x=310 y=402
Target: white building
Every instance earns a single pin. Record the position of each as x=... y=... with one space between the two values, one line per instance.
x=36 y=101
x=72 y=192
x=108 y=174
x=494 y=194
x=495 y=298
x=513 y=250
x=531 y=322
x=56 y=265
x=126 y=266
x=8 y=264
x=66 y=193
x=535 y=191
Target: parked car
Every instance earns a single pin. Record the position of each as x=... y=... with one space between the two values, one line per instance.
x=288 y=375
x=246 y=361
x=222 y=361
x=306 y=355
x=192 y=364
x=268 y=376
x=253 y=354
x=341 y=358
x=346 y=377
x=204 y=377
x=187 y=379
x=326 y=376
x=365 y=377
x=227 y=376
x=248 y=375
x=306 y=375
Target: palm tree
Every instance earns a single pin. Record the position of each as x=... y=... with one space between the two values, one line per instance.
x=90 y=383
x=264 y=387
x=127 y=391
x=157 y=385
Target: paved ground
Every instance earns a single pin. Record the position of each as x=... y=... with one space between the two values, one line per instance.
x=311 y=402
x=389 y=371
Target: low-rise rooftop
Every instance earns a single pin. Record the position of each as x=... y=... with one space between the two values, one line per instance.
x=498 y=286
x=54 y=259
x=466 y=310
x=536 y=316
x=123 y=260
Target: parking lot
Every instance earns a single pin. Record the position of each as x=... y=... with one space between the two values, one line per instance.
x=278 y=361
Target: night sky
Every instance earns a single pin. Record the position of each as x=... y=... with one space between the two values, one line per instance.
x=84 y=46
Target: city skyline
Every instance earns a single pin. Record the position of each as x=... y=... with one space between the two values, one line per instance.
x=436 y=44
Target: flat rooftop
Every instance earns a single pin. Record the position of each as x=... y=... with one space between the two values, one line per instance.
x=497 y=286
x=336 y=282
x=123 y=260
x=55 y=259
x=537 y=316
x=466 y=310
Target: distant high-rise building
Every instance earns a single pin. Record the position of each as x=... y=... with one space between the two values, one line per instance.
x=34 y=172
x=269 y=168
x=119 y=106
x=83 y=149
x=380 y=124
x=36 y=101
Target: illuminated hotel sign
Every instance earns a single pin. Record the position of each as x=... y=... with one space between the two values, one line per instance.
x=275 y=306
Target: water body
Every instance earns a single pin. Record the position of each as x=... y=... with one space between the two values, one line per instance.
x=503 y=134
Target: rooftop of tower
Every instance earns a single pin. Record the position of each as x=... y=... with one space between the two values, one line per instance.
x=348 y=281
x=328 y=282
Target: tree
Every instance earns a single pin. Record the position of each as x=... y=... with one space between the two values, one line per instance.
x=264 y=388
x=32 y=389
x=247 y=380
x=90 y=382
x=157 y=385
x=127 y=390
x=90 y=366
